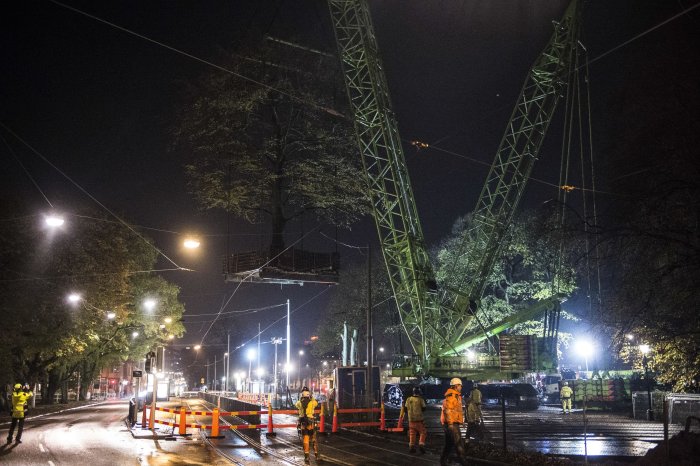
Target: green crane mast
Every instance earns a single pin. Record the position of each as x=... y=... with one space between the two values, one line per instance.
x=437 y=322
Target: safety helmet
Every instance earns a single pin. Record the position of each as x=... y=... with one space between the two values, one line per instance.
x=566 y=384
x=18 y=386
x=26 y=387
x=304 y=388
x=305 y=394
x=416 y=390
x=455 y=381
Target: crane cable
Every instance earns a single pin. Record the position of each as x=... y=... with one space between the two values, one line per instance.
x=593 y=184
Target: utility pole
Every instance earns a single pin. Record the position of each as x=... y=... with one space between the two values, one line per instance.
x=276 y=341
x=257 y=370
x=288 y=340
x=228 y=357
x=370 y=343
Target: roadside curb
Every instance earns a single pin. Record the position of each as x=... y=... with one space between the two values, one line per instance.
x=147 y=434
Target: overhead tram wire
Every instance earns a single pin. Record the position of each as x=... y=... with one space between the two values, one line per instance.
x=84 y=191
x=644 y=33
x=201 y=60
x=36 y=185
x=283 y=317
x=537 y=180
x=329 y=110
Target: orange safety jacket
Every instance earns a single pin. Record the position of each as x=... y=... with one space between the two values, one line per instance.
x=452 y=411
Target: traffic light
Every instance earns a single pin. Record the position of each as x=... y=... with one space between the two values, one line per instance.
x=149 y=361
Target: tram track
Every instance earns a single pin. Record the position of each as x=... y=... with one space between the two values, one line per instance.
x=553 y=432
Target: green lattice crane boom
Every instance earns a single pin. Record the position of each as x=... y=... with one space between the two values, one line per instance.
x=436 y=323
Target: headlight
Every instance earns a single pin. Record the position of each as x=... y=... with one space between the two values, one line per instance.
x=523 y=398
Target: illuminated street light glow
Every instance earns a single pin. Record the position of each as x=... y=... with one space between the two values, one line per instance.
x=197 y=347
x=644 y=349
x=171 y=336
x=54 y=221
x=168 y=320
x=135 y=334
x=584 y=348
x=111 y=315
x=149 y=304
x=191 y=243
x=251 y=354
x=74 y=298
x=259 y=371
x=161 y=326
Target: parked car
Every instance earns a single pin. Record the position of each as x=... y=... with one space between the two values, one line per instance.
x=517 y=395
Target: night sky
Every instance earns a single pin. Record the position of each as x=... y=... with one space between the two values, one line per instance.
x=98 y=103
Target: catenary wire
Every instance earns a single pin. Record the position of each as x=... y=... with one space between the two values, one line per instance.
x=84 y=191
x=201 y=60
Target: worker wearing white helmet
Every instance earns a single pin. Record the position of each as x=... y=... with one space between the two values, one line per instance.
x=452 y=417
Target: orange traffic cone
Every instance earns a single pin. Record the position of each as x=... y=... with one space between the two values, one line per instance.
x=322 y=421
x=270 y=432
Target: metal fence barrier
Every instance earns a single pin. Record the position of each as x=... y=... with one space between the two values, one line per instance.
x=252 y=417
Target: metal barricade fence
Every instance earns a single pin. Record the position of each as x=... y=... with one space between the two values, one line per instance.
x=681 y=406
x=180 y=415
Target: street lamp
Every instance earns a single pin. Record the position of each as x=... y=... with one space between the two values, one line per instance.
x=276 y=341
x=251 y=356
x=225 y=378
x=299 y=378
x=54 y=220
x=645 y=350
x=191 y=243
x=585 y=349
x=149 y=304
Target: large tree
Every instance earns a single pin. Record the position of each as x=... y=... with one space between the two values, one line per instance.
x=531 y=266
x=650 y=237
x=274 y=145
x=51 y=340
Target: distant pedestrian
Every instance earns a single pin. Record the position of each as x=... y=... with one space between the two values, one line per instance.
x=415 y=405
x=132 y=411
x=19 y=404
x=475 y=419
x=565 y=394
x=452 y=418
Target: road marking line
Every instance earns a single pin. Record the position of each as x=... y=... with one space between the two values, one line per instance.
x=41 y=447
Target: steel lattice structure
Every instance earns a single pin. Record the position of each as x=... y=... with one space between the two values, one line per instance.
x=437 y=323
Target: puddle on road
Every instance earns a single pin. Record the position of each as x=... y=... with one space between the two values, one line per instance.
x=592 y=447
